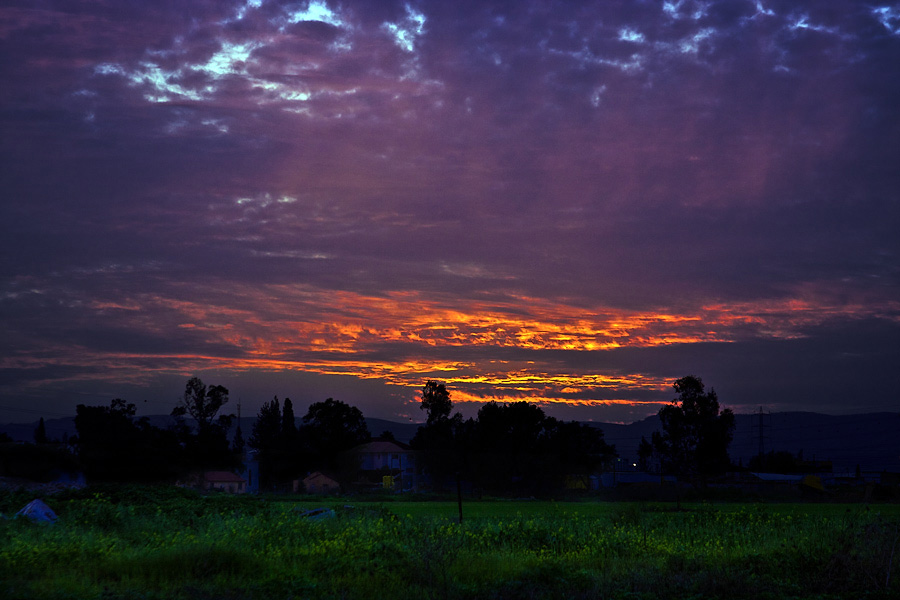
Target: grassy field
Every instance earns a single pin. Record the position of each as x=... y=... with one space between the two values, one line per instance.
x=589 y=508
x=163 y=543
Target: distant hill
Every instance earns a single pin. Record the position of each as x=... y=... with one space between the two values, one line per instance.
x=870 y=440
x=403 y=432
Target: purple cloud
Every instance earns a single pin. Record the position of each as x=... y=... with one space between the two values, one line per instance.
x=506 y=165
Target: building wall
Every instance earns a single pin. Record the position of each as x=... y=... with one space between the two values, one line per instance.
x=377 y=461
x=228 y=486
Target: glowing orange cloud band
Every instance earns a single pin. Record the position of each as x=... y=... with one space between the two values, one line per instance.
x=299 y=328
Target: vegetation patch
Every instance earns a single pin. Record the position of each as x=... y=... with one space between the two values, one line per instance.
x=170 y=543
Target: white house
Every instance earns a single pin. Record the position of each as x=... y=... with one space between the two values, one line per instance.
x=382 y=459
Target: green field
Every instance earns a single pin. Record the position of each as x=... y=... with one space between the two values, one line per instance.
x=166 y=543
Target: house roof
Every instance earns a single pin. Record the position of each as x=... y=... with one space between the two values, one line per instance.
x=318 y=475
x=382 y=446
x=222 y=477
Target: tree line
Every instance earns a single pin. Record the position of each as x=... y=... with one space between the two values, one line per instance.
x=115 y=446
x=508 y=448
x=511 y=448
x=286 y=452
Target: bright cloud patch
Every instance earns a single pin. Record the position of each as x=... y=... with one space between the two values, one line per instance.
x=163 y=85
x=407 y=31
x=316 y=11
x=630 y=35
x=251 y=4
x=691 y=45
x=889 y=16
x=229 y=60
x=265 y=68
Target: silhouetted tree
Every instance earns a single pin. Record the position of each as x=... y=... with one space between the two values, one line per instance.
x=288 y=425
x=438 y=440
x=695 y=434
x=207 y=447
x=106 y=440
x=436 y=402
x=266 y=439
x=509 y=450
x=644 y=454
x=267 y=428
x=36 y=462
x=331 y=427
x=203 y=404
x=295 y=459
x=113 y=446
x=40 y=434
x=578 y=448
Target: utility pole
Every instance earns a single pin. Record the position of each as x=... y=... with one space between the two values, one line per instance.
x=760 y=426
x=237 y=442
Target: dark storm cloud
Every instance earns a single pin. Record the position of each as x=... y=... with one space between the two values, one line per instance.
x=177 y=176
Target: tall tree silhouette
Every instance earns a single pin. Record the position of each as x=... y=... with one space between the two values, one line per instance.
x=288 y=422
x=203 y=404
x=438 y=438
x=436 y=402
x=266 y=439
x=40 y=434
x=207 y=447
x=695 y=434
x=237 y=443
x=644 y=454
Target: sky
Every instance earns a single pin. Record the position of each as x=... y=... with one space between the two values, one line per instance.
x=569 y=203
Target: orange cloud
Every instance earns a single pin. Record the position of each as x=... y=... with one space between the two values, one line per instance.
x=403 y=338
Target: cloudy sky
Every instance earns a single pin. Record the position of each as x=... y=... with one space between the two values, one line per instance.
x=571 y=203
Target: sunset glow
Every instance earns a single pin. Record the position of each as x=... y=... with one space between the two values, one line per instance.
x=572 y=205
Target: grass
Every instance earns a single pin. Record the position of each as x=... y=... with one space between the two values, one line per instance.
x=160 y=543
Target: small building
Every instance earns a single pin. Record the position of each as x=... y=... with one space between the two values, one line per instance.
x=317 y=483
x=223 y=480
x=381 y=459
